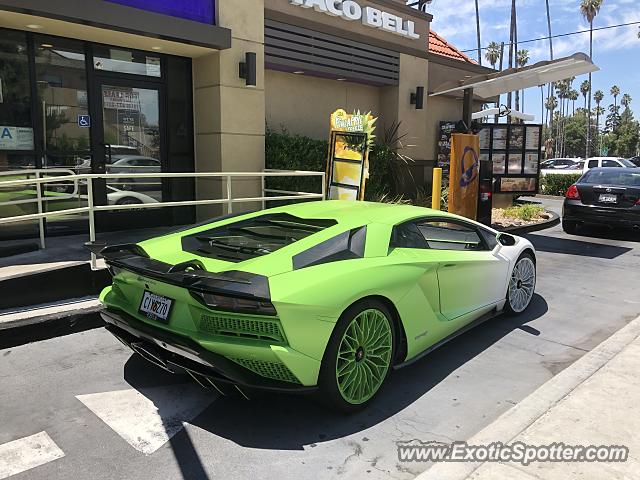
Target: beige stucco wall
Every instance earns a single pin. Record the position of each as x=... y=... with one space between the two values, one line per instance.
x=303 y=104
x=229 y=116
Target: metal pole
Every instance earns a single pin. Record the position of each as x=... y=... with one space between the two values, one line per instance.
x=92 y=221
x=40 y=220
x=467 y=107
x=436 y=189
x=264 y=203
x=229 y=199
x=324 y=186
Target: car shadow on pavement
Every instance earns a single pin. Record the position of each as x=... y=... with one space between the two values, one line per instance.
x=619 y=234
x=291 y=422
x=569 y=246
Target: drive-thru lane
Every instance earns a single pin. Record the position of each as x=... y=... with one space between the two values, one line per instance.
x=107 y=414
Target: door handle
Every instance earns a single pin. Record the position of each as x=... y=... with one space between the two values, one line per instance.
x=448 y=265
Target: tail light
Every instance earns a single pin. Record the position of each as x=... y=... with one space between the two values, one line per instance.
x=638 y=201
x=572 y=193
x=486 y=191
x=234 y=304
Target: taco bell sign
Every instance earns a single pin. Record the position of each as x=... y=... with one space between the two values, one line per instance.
x=369 y=16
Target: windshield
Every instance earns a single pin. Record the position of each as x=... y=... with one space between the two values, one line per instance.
x=254 y=237
x=612 y=177
x=626 y=162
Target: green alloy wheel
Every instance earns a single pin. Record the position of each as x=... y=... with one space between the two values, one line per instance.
x=359 y=356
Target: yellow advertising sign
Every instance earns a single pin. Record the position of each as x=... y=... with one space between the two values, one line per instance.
x=348 y=163
x=464 y=175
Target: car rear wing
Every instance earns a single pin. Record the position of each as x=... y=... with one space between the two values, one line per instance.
x=191 y=275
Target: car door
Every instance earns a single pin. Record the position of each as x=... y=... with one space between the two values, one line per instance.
x=470 y=275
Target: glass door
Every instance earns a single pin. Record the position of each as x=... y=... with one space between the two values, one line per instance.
x=130 y=140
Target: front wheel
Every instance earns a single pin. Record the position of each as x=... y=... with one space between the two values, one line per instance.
x=358 y=357
x=522 y=284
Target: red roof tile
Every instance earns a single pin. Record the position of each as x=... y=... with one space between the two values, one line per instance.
x=440 y=46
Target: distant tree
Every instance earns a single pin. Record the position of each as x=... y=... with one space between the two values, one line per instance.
x=585 y=87
x=589 y=10
x=522 y=59
x=493 y=53
x=573 y=96
x=551 y=104
x=615 y=91
x=598 y=97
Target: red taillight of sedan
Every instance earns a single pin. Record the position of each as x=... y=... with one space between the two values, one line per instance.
x=572 y=193
x=638 y=202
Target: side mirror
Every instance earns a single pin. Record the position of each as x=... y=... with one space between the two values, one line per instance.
x=506 y=239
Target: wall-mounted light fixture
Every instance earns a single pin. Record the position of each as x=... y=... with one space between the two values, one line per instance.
x=417 y=98
x=248 y=69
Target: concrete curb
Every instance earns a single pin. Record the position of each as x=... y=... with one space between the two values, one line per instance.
x=45 y=313
x=536 y=227
x=513 y=422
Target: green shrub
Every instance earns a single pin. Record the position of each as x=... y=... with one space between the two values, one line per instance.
x=525 y=212
x=284 y=151
x=557 y=184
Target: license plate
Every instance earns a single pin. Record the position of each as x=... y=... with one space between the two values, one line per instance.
x=605 y=198
x=155 y=307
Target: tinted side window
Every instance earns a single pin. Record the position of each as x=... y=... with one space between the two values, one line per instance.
x=489 y=238
x=445 y=235
x=610 y=163
x=593 y=163
x=407 y=235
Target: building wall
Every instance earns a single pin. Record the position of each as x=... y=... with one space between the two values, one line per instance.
x=229 y=115
x=302 y=104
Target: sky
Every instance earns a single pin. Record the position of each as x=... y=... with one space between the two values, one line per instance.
x=616 y=51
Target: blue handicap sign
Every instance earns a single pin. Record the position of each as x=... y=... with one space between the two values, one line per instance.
x=84 y=121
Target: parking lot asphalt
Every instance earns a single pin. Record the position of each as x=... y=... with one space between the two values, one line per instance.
x=106 y=414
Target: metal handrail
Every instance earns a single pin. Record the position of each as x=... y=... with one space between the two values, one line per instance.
x=91 y=208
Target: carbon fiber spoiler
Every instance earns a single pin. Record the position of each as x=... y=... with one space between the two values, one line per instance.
x=191 y=274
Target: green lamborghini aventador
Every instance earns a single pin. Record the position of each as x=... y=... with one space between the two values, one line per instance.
x=324 y=297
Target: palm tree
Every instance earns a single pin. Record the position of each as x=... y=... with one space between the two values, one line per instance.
x=549 y=27
x=598 y=97
x=626 y=101
x=478 y=33
x=589 y=10
x=550 y=88
x=598 y=111
x=543 y=118
x=573 y=96
x=522 y=58
x=493 y=54
x=584 y=89
x=551 y=104
x=511 y=45
x=615 y=91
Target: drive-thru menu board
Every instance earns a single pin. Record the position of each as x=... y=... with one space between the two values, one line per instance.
x=515 y=150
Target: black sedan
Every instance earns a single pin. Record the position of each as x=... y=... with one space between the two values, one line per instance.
x=603 y=196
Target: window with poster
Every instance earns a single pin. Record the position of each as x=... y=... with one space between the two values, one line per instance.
x=515 y=150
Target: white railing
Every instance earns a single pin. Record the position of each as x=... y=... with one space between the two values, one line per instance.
x=41 y=177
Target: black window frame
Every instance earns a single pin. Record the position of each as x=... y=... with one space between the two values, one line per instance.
x=393 y=241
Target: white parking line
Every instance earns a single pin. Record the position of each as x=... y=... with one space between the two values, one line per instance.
x=148 y=418
x=27 y=453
